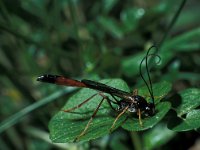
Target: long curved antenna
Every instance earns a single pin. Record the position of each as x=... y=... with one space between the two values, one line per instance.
x=146 y=61
x=149 y=86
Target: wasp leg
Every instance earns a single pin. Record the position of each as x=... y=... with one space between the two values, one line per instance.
x=81 y=104
x=139 y=117
x=135 y=92
x=108 y=100
x=94 y=114
x=124 y=110
x=89 y=122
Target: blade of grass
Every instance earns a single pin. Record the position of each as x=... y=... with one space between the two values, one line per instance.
x=73 y=13
x=40 y=134
x=12 y=120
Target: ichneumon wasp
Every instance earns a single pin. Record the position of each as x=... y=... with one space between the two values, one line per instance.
x=131 y=102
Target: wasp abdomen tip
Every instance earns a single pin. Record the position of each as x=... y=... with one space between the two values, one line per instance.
x=47 y=78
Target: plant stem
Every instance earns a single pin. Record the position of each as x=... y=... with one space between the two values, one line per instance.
x=136 y=141
x=174 y=19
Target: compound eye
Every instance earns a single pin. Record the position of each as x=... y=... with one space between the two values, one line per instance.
x=149 y=111
x=147 y=108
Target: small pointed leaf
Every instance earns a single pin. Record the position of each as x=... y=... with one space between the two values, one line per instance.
x=191 y=122
x=190 y=99
x=186 y=117
x=160 y=90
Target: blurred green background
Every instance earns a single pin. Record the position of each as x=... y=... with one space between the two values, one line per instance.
x=93 y=40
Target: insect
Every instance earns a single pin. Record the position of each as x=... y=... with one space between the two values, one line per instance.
x=131 y=102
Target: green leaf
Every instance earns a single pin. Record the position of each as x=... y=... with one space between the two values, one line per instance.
x=172 y=46
x=132 y=124
x=63 y=130
x=178 y=124
x=131 y=17
x=65 y=127
x=188 y=47
x=193 y=119
x=190 y=99
x=191 y=122
x=186 y=118
x=160 y=90
x=157 y=136
x=175 y=42
x=108 y=5
x=132 y=62
x=110 y=25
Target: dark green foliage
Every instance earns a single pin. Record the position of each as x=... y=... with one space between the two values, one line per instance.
x=98 y=40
